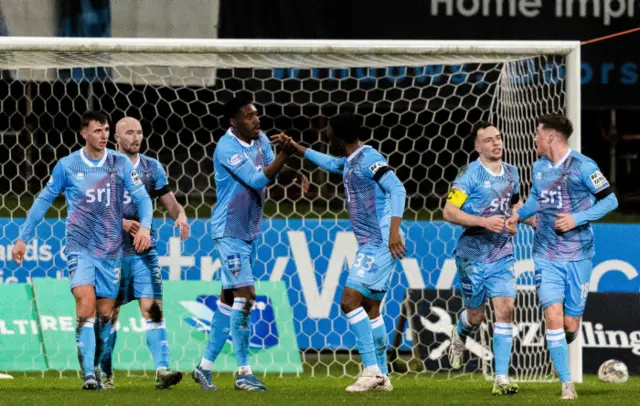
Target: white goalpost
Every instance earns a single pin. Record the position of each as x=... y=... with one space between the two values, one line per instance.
x=418 y=100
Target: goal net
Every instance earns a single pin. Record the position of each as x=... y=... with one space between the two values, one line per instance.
x=419 y=100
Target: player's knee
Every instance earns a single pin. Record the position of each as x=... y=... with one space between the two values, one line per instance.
x=475 y=317
x=155 y=312
x=349 y=304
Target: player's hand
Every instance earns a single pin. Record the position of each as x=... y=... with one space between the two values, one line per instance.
x=493 y=223
x=130 y=226
x=183 y=223
x=396 y=245
x=302 y=179
x=287 y=144
x=531 y=221
x=18 y=251
x=142 y=240
x=565 y=222
x=512 y=223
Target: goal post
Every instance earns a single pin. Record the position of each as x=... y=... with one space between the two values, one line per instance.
x=418 y=100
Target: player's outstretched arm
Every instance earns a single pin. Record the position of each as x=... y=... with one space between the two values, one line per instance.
x=54 y=187
x=392 y=186
x=324 y=161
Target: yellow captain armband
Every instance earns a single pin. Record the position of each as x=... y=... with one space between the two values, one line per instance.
x=457 y=197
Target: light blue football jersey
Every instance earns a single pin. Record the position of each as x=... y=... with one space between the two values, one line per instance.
x=567 y=187
x=239 y=209
x=486 y=195
x=368 y=205
x=154 y=178
x=94 y=193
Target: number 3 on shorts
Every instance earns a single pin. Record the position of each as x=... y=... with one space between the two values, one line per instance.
x=363 y=263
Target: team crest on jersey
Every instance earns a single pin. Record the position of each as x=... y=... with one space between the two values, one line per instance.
x=80 y=176
x=598 y=179
x=376 y=167
x=538 y=175
x=487 y=184
x=235 y=160
x=135 y=178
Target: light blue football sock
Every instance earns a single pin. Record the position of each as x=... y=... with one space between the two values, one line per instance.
x=361 y=327
x=158 y=343
x=220 y=326
x=86 y=343
x=502 y=343
x=559 y=350
x=240 y=331
x=379 y=333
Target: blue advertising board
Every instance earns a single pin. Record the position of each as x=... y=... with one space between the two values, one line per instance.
x=312 y=256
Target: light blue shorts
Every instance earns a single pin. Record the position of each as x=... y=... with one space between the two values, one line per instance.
x=371 y=271
x=102 y=274
x=141 y=277
x=564 y=282
x=236 y=256
x=480 y=281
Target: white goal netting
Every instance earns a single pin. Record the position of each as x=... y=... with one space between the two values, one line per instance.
x=418 y=103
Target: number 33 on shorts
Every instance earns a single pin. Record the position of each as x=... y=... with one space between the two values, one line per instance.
x=363 y=263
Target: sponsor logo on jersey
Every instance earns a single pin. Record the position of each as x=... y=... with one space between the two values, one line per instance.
x=264 y=329
x=377 y=166
x=236 y=159
x=135 y=178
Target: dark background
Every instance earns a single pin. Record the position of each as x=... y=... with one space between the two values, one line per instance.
x=412 y=129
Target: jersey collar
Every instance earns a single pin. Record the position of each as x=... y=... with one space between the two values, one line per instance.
x=244 y=144
x=489 y=170
x=135 y=166
x=561 y=161
x=355 y=153
x=91 y=164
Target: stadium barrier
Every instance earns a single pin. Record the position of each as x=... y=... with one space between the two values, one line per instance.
x=39 y=334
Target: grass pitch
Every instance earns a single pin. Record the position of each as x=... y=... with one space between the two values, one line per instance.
x=305 y=390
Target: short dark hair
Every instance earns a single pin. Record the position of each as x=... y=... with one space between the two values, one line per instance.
x=480 y=125
x=92 y=115
x=346 y=127
x=557 y=122
x=234 y=105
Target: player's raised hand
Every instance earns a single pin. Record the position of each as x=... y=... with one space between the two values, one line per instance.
x=494 y=223
x=18 y=251
x=565 y=222
x=183 y=223
x=142 y=240
x=396 y=245
x=512 y=223
x=130 y=226
x=278 y=139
